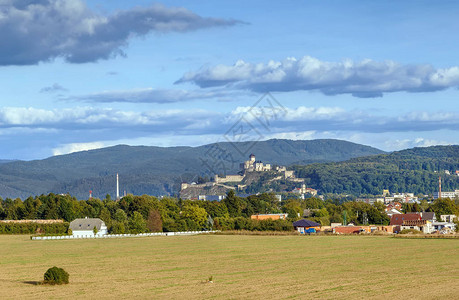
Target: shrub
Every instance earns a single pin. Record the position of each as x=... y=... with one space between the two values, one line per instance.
x=410 y=231
x=56 y=275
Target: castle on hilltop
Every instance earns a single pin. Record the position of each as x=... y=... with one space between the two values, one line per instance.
x=253 y=165
x=236 y=181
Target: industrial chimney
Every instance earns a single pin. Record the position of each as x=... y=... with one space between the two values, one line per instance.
x=439 y=187
x=117 y=187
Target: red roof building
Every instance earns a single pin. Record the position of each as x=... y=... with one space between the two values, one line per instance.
x=398 y=219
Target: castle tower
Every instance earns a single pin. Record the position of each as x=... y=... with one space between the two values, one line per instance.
x=252 y=157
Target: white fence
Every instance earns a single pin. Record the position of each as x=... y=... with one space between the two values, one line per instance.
x=108 y=236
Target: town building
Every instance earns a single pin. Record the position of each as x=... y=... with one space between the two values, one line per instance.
x=421 y=225
x=450 y=195
x=305 y=190
x=269 y=217
x=398 y=220
x=448 y=218
x=85 y=227
x=393 y=211
x=306 y=226
x=211 y=197
x=444 y=227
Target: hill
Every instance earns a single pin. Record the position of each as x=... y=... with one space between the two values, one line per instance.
x=158 y=170
x=413 y=170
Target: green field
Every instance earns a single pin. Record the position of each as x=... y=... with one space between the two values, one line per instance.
x=243 y=267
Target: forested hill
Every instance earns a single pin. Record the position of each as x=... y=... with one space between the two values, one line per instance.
x=413 y=170
x=158 y=170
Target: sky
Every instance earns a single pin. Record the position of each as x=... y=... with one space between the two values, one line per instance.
x=79 y=75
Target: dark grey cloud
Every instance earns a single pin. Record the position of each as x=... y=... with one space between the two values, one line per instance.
x=365 y=79
x=34 y=31
x=56 y=87
x=161 y=96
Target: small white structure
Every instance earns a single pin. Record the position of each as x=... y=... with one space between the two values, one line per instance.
x=438 y=226
x=85 y=227
x=393 y=211
x=448 y=218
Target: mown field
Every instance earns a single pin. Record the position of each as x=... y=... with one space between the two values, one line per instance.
x=243 y=267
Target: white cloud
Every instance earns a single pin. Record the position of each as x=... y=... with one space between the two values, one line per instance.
x=366 y=78
x=76 y=147
x=399 y=144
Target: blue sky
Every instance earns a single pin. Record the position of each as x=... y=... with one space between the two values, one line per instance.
x=80 y=75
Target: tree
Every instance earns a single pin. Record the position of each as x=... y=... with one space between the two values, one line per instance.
x=234 y=204
x=154 y=221
x=293 y=209
x=444 y=206
x=120 y=216
x=105 y=216
x=314 y=203
x=95 y=230
x=195 y=214
x=136 y=223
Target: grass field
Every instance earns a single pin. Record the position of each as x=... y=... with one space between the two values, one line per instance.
x=243 y=267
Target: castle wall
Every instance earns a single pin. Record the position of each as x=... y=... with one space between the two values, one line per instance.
x=229 y=178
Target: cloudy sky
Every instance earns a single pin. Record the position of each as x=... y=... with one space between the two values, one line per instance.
x=78 y=75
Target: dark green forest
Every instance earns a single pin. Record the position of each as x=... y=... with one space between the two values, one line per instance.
x=414 y=170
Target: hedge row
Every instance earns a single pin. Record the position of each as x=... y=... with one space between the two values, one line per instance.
x=240 y=223
x=34 y=228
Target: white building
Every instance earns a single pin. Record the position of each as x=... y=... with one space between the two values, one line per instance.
x=393 y=211
x=448 y=218
x=444 y=226
x=450 y=195
x=85 y=227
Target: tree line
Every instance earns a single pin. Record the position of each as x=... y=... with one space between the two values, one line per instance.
x=138 y=214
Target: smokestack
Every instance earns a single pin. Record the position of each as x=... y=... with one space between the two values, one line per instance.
x=117 y=187
x=439 y=187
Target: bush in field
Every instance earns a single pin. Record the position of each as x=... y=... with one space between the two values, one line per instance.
x=56 y=275
x=410 y=231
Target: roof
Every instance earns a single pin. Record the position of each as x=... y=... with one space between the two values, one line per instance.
x=398 y=219
x=428 y=215
x=305 y=223
x=86 y=224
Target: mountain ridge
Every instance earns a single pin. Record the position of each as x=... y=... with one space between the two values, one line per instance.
x=159 y=170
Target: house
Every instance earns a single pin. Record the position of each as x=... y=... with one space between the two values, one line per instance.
x=269 y=217
x=429 y=216
x=85 y=227
x=306 y=226
x=424 y=226
x=396 y=220
x=393 y=211
x=350 y=229
x=394 y=204
x=443 y=227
